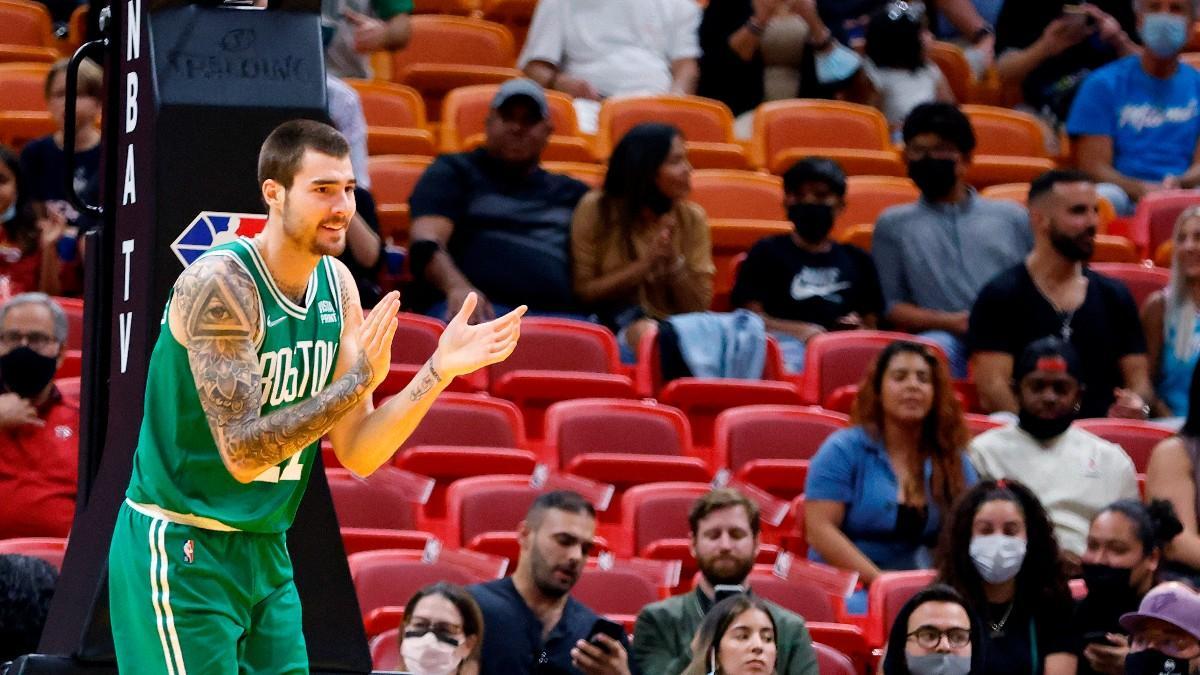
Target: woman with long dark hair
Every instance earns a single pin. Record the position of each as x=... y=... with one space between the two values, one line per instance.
x=641 y=252
x=20 y=257
x=737 y=637
x=876 y=491
x=442 y=632
x=998 y=550
x=935 y=633
x=1173 y=475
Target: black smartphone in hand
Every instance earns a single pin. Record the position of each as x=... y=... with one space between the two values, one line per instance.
x=603 y=626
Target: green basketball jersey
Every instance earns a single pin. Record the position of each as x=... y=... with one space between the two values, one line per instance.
x=177 y=466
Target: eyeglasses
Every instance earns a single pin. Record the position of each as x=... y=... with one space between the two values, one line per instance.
x=444 y=632
x=35 y=340
x=928 y=637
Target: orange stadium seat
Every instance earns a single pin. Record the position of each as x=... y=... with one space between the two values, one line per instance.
x=27 y=54
x=392 y=180
x=703 y=399
x=869 y=196
x=860 y=235
x=450 y=7
x=658 y=511
x=26 y=23
x=391 y=577
x=76 y=30
x=18 y=127
x=1003 y=131
x=1139 y=279
x=830 y=661
x=447 y=52
x=396 y=123
x=770 y=445
x=952 y=61
x=855 y=135
x=464 y=119
x=986 y=170
x=50 y=549
x=1019 y=193
x=512 y=14
x=1136 y=437
x=706 y=124
x=727 y=193
x=886 y=595
x=592 y=174
x=834 y=360
x=375 y=502
x=1154 y=219
x=730 y=239
x=482 y=504
x=23 y=84
x=1111 y=248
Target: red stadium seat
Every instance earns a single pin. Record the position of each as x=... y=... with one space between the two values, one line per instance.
x=834 y=360
x=977 y=423
x=1136 y=437
x=393 y=178
x=796 y=542
x=376 y=502
x=416 y=338
x=448 y=463
x=74 y=310
x=887 y=594
x=68 y=387
x=657 y=511
x=357 y=539
x=703 y=399
x=769 y=445
x=472 y=420
x=1139 y=279
x=385 y=650
x=390 y=577
x=846 y=638
x=830 y=661
x=797 y=594
x=72 y=364
x=50 y=549
x=1154 y=220
x=648 y=372
x=620 y=590
x=482 y=504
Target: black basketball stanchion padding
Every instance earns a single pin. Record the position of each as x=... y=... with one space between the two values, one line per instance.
x=191 y=92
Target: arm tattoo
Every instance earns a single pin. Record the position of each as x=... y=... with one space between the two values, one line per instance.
x=427 y=383
x=219 y=307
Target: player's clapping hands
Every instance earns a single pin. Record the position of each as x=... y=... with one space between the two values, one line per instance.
x=375 y=336
x=465 y=348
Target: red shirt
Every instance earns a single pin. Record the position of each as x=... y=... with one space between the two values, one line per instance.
x=39 y=468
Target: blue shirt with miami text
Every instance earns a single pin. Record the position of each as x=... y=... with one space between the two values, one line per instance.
x=1154 y=123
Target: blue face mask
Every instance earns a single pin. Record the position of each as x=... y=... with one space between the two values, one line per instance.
x=1164 y=34
x=9 y=213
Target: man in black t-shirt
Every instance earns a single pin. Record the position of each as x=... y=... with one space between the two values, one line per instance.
x=492 y=221
x=1053 y=293
x=802 y=283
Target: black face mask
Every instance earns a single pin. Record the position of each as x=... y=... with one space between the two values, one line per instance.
x=1044 y=429
x=26 y=372
x=812 y=221
x=1109 y=584
x=1154 y=662
x=935 y=177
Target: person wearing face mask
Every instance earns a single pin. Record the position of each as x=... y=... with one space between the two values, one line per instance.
x=804 y=283
x=999 y=552
x=443 y=628
x=39 y=428
x=1136 y=122
x=1042 y=445
x=1165 y=632
x=737 y=637
x=1120 y=565
x=1052 y=292
x=935 y=254
x=20 y=241
x=938 y=633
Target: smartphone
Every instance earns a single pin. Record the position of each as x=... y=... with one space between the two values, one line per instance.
x=1078 y=13
x=1097 y=637
x=722 y=591
x=612 y=629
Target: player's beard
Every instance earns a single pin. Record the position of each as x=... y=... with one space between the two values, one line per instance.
x=295 y=227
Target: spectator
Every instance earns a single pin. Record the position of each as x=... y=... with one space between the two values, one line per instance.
x=1174 y=475
x=1052 y=292
x=1136 y=121
x=724 y=540
x=352 y=29
x=640 y=251
x=1048 y=47
x=1124 y=549
x=1043 y=444
x=44 y=167
x=934 y=255
x=532 y=620
x=898 y=64
x=491 y=221
x=20 y=240
x=597 y=50
x=1166 y=631
x=443 y=629
x=39 y=429
x=877 y=490
x=999 y=552
x=970 y=24
x=737 y=637
x=938 y=632
x=1169 y=318
x=26 y=589
x=804 y=284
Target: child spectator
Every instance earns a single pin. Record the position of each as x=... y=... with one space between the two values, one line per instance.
x=897 y=39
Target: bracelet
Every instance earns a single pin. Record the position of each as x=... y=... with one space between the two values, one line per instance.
x=756 y=29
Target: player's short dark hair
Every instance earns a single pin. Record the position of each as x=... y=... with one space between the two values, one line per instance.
x=717 y=500
x=26 y=588
x=1044 y=183
x=815 y=170
x=944 y=120
x=561 y=500
x=280 y=156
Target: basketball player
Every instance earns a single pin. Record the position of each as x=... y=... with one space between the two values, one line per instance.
x=263 y=350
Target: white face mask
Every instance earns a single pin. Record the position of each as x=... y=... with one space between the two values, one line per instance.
x=426 y=655
x=998 y=557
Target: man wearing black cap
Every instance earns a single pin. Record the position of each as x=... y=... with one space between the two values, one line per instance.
x=802 y=283
x=1074 y=473
x=491 y=221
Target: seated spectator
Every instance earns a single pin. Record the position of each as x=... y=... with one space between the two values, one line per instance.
x=26 y=589
x=597 y=50
x=971 y=25
x=1052 y=292
x=20 y=240
x=876 y=491
x=44 y=167
x=934 y=255
x=1165 y=630
x=640 y=251
x=737 y=637
x=442 y=631
x=898 y=65
x=531 y=618
x=1174 y=475
x=998 y=551
x=1124 y=549
x=1043 y=444
x=724 y=540
x=938 y=633
x=491 y=221
x=39 y=449
x=1136 y=121
x=1047 y=48
x=352 y=29
x=804 y=284
x=1169 y=318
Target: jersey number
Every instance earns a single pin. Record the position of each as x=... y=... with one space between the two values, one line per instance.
x=292 y=471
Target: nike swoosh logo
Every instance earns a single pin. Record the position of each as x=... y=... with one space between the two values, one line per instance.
x=806 y=292
x=273 y=322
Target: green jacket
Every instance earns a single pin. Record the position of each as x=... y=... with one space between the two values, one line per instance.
x=663 y=636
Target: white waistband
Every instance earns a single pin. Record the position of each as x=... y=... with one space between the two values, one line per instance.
x=159 y=513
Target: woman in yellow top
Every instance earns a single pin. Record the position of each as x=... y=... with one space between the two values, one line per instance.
x=640 y=251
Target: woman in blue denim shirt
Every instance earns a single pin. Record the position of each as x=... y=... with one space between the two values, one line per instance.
x=877 y=490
